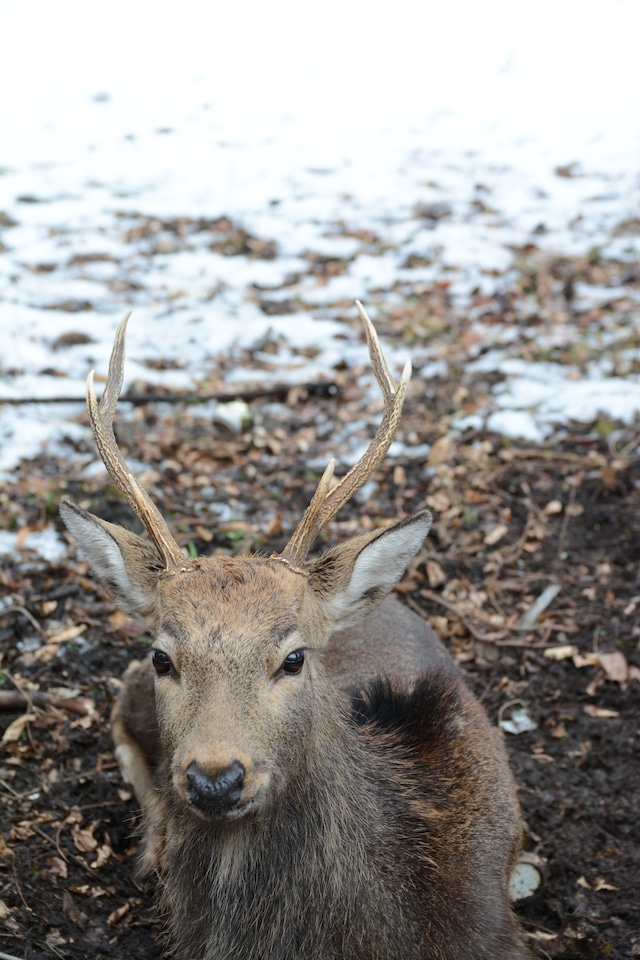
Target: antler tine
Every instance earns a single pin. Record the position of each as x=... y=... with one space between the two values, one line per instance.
x=325 y=504
x=101 y=417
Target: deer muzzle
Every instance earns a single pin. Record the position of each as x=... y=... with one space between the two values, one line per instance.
x=216 y=794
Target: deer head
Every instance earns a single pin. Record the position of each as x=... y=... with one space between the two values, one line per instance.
x=240 y=685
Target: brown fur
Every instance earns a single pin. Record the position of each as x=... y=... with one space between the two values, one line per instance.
x=377 y=819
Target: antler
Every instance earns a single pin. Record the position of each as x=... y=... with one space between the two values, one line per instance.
x=325 y=504
x=101 y=416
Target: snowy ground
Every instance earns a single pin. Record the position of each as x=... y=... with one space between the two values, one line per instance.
x=292 y=121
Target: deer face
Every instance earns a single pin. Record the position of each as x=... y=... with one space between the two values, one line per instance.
x=238 y=677
x=240 y=684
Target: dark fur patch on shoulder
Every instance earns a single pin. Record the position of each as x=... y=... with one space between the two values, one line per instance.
x=426 y=712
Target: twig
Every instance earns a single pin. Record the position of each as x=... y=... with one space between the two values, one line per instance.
x=628 y=447
x=490 y=638
x=565 y=521
x=17 y=700
x=16 y=608
x=512 y=454
x=17 y=883
x=98 y=806
x=276 y=390
x=528 y=619
x=7 y=786
x=497 y=638
x=54 y=841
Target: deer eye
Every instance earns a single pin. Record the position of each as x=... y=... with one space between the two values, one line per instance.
x=293 y=663
x=161 y=662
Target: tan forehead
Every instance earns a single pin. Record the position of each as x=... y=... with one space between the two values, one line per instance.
x=232 y=590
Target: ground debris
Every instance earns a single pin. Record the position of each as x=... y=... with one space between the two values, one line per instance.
x=530 y=575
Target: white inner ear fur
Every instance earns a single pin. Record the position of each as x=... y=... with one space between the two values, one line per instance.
x=104 y=555
x=379 y=567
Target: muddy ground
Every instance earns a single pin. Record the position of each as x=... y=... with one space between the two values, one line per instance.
x=511 y=520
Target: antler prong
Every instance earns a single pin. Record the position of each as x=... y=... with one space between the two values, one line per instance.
x=305 y=532
x=326 y=503
x=378 y=362
x=101 y=417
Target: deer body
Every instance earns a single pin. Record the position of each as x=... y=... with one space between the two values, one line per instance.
x=316 y=779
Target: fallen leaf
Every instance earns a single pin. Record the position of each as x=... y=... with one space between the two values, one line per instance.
x=609 y=477
x=21 y=537
x=559 y=732
x=57 y=867
x=496 y=534
x=518 y=722
x=103 y=853
x=439 y=501
x=408 y=585
x=74 y=816
x=71 y=339
x=562 y=652
x=55 y=939
x=440 y=625
x=442 y=451
x=84 y=839
x=118 y=914
x=205 y=534
x=64 y=634
x=615 y=666
x=435 y=573
x=585 y=659
x=22 y=831
x=274 y=526
x=16 y=728
x=600 y=884
x=45 y=653
x=472 y=496
x=600 y=712
x=72 y=912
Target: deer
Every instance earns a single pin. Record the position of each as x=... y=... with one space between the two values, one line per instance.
x=316 y=779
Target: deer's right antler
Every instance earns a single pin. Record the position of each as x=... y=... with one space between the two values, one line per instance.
x=325 y=502
x=101 y=416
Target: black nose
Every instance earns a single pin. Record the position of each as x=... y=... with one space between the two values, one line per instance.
x=215 y=794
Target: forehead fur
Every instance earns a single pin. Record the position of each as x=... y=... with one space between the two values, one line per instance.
x=242 y=594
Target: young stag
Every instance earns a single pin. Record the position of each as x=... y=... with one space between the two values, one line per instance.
x=316 y=780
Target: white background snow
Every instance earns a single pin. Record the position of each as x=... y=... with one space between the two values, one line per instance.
x=288 y=117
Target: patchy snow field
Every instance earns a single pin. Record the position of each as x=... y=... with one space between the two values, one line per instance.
x=237 y=175
x=452 y=136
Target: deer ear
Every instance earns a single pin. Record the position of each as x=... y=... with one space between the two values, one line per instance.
x=353 y=578
x=126 y=565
